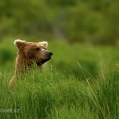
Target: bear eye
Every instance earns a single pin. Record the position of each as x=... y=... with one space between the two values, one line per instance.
x=37 y=49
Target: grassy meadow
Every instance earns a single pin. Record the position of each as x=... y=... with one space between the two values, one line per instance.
x=79 y=82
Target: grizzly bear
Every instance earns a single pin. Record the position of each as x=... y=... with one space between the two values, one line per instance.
x=28 y=54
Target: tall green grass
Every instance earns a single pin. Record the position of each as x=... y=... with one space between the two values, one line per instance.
x=92 y=58
x=55 y=95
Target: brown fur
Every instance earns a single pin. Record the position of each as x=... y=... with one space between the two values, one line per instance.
x=28 y=53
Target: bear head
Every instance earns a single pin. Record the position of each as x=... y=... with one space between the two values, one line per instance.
x=33 y=51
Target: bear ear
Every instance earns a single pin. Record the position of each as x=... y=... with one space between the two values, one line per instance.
x=44 y=43
x=19 y=43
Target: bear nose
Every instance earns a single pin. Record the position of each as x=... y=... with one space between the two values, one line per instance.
x=50 y=53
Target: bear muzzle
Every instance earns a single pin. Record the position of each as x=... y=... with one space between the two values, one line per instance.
x=47 y=57
x=50 y=54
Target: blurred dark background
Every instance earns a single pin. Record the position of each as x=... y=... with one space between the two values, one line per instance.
x=87 y=21
x=82 y=34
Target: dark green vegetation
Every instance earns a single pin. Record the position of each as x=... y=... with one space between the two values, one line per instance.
x=90 y=21
x=79 y=82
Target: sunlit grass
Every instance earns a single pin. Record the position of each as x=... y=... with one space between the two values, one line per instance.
x=55 y=95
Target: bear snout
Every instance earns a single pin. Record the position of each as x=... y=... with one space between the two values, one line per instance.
x=50 y=53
